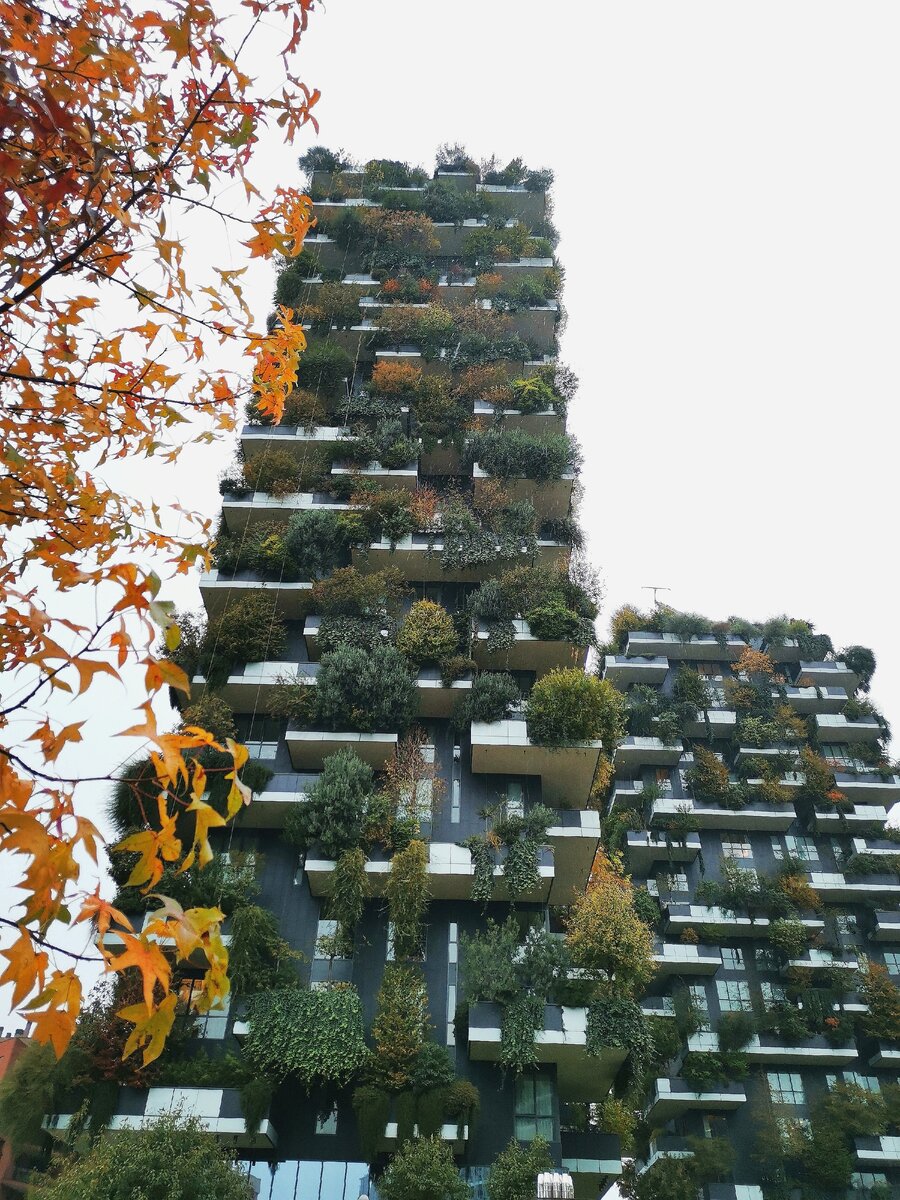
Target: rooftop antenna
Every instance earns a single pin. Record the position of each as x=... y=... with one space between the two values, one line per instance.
x=654 y=588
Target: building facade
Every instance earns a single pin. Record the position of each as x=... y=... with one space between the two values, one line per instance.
x=399 y=625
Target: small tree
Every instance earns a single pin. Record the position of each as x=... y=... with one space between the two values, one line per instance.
x=427 y=633
x=567 y=706
x=172 y=1159
x=882 y=996
x=400 y=1025
x=335 y=809
x=607 y=937
x=423 y=1170
x=407 y=896
x=514 y=1173
x=315 y=542
x=365 y=689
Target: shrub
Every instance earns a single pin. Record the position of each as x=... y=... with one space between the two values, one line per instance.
x=608 y=939
x=567 y=706
x=554 y=622
x=882 y=996
x=488 y=962
x=315 y=1036
x=514 y=1173
x=490 y=698
x=618 y=1021
x=789 y=936
x=708 y=777
x=365 y=689
x=172 y=1158
x=861 y=661
x=336 y=806
x=372 y=1106
x=735 y=1030
x=400 y=1025
x=315 y=541
x=347 y=592
x=347 y=894
x=427 y=633
x=323 y=367
x=277 y=472
x=249 y=630
x=423 y=1169
x=259 y=958
x=407 y=895
x=433 y=1068
x=512 y=453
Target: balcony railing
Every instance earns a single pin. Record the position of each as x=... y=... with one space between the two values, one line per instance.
x=566 y=772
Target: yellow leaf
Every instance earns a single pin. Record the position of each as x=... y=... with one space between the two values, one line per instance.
x=207 y=818
x=151 y=1028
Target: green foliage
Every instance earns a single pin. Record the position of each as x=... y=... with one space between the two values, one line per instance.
x=249 y=630
x=861 y=661
x=566 y=706
x=422 y=1169
x=618 y=1022
x=514 y=1173
x=347 y=592
x=365 y=690
x=259 y=958
x=427 y=634
x=735 y=1030
x=347 y=894
x=433 y=1068
x=372 y=1106
x=488 y=962
x=703 y=1072
x=323 y=367
x=490 y=698
x=400 y=1026
x=336 y=807
x=26 y=1096
x=608 y=939
x=708 y=777
x=171 y=1159
x=256 y=1100
x=408 y=894
x=483 y=861
x=523 y=837
x=315 y=541
x=213 y=714
x=514 y=454
x=882 y=996
x=315 y=1037
x=789 y=936
x=522 y=1017
x=555 y=622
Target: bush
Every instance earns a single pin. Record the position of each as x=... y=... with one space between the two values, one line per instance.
x=788 y=936
x=347 y=894
x=173 y=1158
x=400 y=1026
x=554 y=622
x=323 y=368
x=567 y=706
x=372 y=1106
x=347 y=592
x=365 y=690
x=249 y=630
x=335 y=810
x=512 y=453
x=708 y=777
x=422 y=1169
x=427 y=634
x=514 y=1173
x=735 y=1030
x=259 y=958
x=492 y=695
x=407 y=893
x=314 y=539
x=314 y=1036
x=433 y=1068
x=278 y=472
x=608 y=939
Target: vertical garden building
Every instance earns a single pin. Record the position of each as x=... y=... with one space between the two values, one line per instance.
x=498 y=886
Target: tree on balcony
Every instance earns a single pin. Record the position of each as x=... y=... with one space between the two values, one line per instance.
x=423 y=1169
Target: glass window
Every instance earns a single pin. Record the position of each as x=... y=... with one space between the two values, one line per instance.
x=773 y=993
x=697 y=993
x=515 y=803
x=732 y=958
x=664 y=780
x=534 y=1108
x=846 y=923
x=734 y=995
x=797 y=846
x=213 y=1024
x=767 y=960
x=892 y=961
x=737 y=849
x=326 y=932
x=327 y=1122
x=785 y=1087
x=284 y=1182
x=263 y=736
x=675 y=881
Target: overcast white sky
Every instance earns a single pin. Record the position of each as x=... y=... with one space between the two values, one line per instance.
x=727 y=191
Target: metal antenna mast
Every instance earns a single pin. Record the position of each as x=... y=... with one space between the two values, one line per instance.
x=654 y=588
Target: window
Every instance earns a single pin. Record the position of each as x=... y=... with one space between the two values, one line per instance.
x=797 y=846
x=697 y=992
x=514 y=805
x=734 y=995
x=846 y=923
x=773 y=993
x=675 y=881
x=737 y=849
x=534 y=1108
x=212 y=1025
x=664 y=780
x=892 y=961
x=732 y=958
x=767 y=960
x=785 y=1087
x=868 y=1083
x=327 y=1122
x=262 y=737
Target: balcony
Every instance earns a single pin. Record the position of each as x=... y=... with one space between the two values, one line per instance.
x=331 y=256
x=573 y=837
x=673 y=1096
x=538 y=424
x=633 y=752
x=673 y=958
x=450 y=874
x=646 y=848
x=242 y=512
x=714 y=722
x=623 y=671
x=664 y=1146
x=592 y=1158
x=512 y=272
x=567 y=772
x=454 y=1134
x=219 y=591
x=268 y=807
x=561 y=1040
x=878 y=1151
x=836 y=820
x=820 y=960
x=217 y=1109
x=707 y=814
x=628 y=793
x=405 y=478
x=263 y=439
x=732 y=1191
x=527 y=652
x=868 y=787
x=887 y=926
x=696 y=649
x=726 y=922
x=551 y=498
x=887 y=1055
x=515 y=203
x=767 y=1049
x=250 y=689
x=418 y=558
x=834 y=727
x=814 y=700
x=827 y=674
x=834 y=887
x=778 y=750
x=309 y=748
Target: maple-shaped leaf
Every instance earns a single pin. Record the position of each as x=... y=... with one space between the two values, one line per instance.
x=190 y=929
x=26 y=968
x=55 y=1026
x=155 y=846
x=206 y=818
x=146 y=955
x=101 y=911
x=151 y=1027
